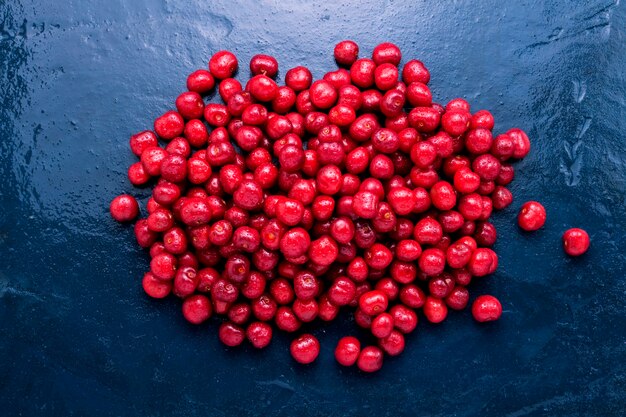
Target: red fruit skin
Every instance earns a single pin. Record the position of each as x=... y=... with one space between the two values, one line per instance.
x=532 y=216
x=435 y=310
x=370 y=359
x=305 y=349
x=259 y=334
x=124 y=208
x=393 y=345
x=486 y=308
x=575 y=242
x=346 y=52
x=154 y=287
x=197 y=309
x=231 y=335
x=347 y=350
x=142 y=140
x=169 y=125
x=223 y=64
x=200 y=81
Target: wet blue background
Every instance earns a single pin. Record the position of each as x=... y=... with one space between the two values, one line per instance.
x=78 y=336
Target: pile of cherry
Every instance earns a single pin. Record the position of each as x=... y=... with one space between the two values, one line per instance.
x=356 y=191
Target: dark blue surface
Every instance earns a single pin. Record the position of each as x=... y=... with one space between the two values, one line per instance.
x=78 y=336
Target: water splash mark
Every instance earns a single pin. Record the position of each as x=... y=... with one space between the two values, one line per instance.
x=580 y=90
x=276 y=383
x=596 y=21
x=9 y=31
x=571 y=165
x=602 y=18
x=219 y=29
x=7 y=290
x=545 y=405
x=14 y=87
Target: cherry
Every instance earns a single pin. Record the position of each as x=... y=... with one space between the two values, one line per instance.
x=362 y=73
x=382 y=325
x=323 y=94
x=347 y=350
x=458 y=254
x=163 y=266
x=196 y=309
x=223 y=290
x=350 y=95
x=200 y=81
x=174 y=168
x=482 y=119
x=170 y=124
x=294 y=243
x=424 y=119
x=305 y=286
x=404 y=318
x=239 y=313
x=190 y=105
x=323 y=251
x=393 y=344
x=124 y=208
x=532 y=216
x=575 y=241
x=145 y=237
x=223 y=64
x=365 y=204
x=262 y=88
x=428 y=231
x=418 y=95
x=503 y=147
x=228 y=87
x=486 y=308
x=329 y=180
x=259 y=334
x=298 y=78
x=487 y=167
x=386 y=76
x=458 y=298
x=373 y=302
x=141 y=141
x=185 y=282
x=521 y=143
x=305 y=349
x=455 y=122
x=306 y=311
x=370 y=359
x=482 y=262
x=501 y=198
x=412 y=296
x=264 y=308
x=231 y=335
x=442 y=195
x=216 y=114
x=485 y=234
x=435 y=310
x=249 y=195
x=387 y=52
x=346 y=52
x=195 y=211
x=155 y=287
x=286 y=320
x=264 y=64
x=415 y=71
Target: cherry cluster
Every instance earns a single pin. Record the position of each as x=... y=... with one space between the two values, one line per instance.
x=288 y=203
